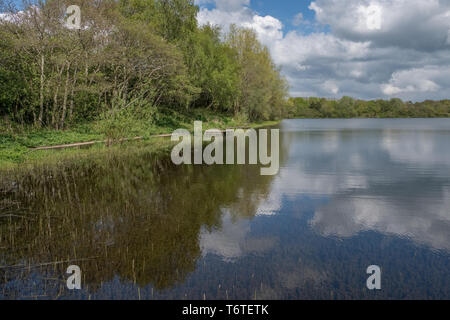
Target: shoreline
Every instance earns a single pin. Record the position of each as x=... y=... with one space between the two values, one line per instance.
x=17 y=156
x=58 y=147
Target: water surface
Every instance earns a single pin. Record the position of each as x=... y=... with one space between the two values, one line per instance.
x=349 y=194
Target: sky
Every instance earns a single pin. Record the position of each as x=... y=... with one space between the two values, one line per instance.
x=366 y=49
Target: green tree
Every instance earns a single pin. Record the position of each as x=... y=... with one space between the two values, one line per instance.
x=261 y=87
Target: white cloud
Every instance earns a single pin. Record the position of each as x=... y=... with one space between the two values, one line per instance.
x=298 y=19
x=370 y=17
x=268 y=28
x=417 y=24
x=297 y=48
x=331 y=86
x=418 y=82
x=376 y=48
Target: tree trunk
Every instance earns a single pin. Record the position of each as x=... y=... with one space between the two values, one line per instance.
x=41 y=92
x=55 y=105
x=55 y=115
x=72 y=93
x=66 y=93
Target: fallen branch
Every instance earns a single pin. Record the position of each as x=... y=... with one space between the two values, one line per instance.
x=72 y=145
x=90 y=143
x=82 y=144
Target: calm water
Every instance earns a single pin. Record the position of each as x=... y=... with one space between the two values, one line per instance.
x=350 y=194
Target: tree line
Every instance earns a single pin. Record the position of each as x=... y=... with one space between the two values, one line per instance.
x=132 y=59
x=348 y=107
x=129 y=58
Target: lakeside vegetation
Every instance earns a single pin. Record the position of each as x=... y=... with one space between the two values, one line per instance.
x=140 y=68
x=17 y=143
x=129 y=60
x=135 y=68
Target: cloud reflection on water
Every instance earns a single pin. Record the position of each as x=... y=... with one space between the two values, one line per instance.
x=391 y=177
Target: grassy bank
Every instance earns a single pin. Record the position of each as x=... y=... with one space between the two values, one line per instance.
x=17 y=143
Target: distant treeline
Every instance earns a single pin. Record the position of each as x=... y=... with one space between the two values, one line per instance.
x=348 y=107
x=130 y=58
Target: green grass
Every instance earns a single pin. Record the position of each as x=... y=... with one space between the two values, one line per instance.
x=16 y=144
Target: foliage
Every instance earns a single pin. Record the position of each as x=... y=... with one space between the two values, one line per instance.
x=145 y=54
x=261 y=88
x=348 y=107
x=16 y=141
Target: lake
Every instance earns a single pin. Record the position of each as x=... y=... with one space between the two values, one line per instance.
x=349 y=194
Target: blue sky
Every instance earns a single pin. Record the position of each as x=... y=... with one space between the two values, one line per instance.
x=18 y=2
x=284 y=10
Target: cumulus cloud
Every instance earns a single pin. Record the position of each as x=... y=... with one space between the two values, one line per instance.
x=419 y=82
x=236 y=12
x=417 y=24
x=268 y=28
x=374 y=49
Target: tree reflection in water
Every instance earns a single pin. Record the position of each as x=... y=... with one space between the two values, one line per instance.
x=136 y=218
